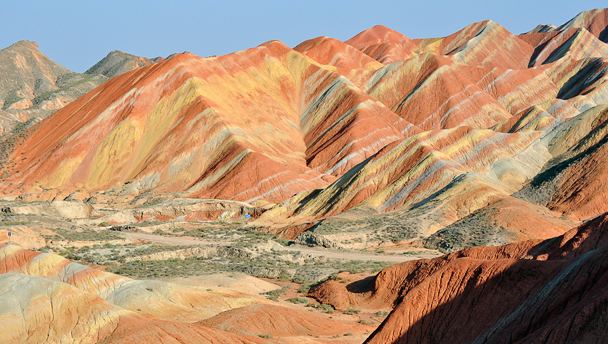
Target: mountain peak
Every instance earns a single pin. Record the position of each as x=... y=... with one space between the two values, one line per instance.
x=274 y=43
x=586 y=16
x=375 y=35
x=119 y=53
x=26 y=70
x=542 y=28
x=482 y=25
x=595 y=21
x=117 y=62
x=25 y=44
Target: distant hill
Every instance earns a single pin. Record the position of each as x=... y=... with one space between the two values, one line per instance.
x=118 y=62
x=33 y=86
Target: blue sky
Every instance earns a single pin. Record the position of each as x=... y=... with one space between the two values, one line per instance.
x=79 y=33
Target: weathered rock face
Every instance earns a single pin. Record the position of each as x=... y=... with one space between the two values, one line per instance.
x=506 y=220
x=477 y=103
x=26 y=73
x=533 y=291
x=575 y=182
x=481 y=137
x=484 y=43
x=575 y=43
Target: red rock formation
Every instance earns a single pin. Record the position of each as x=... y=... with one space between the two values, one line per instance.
x=433 y=92
x=533 y=292
x=278 y=321
x=383 y=44
x=350 y=62
x=582 y=189
x=484 y=43
x=575 y=183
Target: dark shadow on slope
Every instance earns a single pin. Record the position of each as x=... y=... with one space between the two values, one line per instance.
x=439 y=192
x=312 y=195
x=348 y=121
x=562 y=50
x=603 y=36
x=462 y=47
x=362 y=286
x=584 y=78
x=519 y=121
x=340 y=184
x=537 y=52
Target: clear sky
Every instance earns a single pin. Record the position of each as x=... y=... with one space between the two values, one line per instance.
x=78 y=33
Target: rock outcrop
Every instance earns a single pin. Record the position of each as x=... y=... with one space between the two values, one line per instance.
x=528 y=292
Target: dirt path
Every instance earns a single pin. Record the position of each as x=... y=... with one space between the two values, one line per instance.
x=355 y=255
x=171 y=240
x=310 y=251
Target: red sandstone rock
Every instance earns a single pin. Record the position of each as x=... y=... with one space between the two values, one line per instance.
x=533 y=291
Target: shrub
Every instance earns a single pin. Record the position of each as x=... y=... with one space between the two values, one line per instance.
x=304 y=288
x=296 y=300
x=381 y=314
x=365 y=322
x=275 y=294
x=326 y=308
x=352 y=311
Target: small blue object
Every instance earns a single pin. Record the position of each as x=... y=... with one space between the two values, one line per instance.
x=247 y=216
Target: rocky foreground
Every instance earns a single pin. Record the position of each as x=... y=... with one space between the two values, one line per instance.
x=49 y=299
x=532 y=291
x=551 y=291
